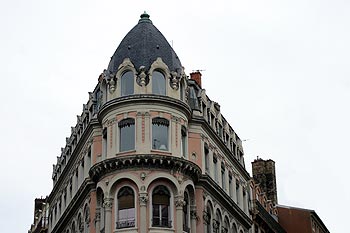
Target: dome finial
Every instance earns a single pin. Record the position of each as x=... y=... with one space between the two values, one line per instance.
x=144 y=18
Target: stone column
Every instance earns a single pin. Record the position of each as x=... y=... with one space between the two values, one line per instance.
x=107 y=204
x=179 y=203
x=143 y=199
x=98 y=220
x=193 y=214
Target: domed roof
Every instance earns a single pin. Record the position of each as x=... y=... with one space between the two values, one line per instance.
x=143 y=45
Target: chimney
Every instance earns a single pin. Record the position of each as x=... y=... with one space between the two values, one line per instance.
x=264 y=173
x=197 y=76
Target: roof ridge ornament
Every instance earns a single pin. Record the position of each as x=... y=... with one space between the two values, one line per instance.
x=144 y=18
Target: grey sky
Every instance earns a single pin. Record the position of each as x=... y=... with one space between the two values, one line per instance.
x=279 y=70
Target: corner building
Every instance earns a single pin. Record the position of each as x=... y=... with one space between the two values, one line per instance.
x=150 y=151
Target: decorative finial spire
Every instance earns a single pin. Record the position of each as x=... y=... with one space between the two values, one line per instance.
x=145 y=18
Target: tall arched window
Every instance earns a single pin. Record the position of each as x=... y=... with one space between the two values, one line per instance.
x=73 y=228
x=161 y=207
x=208 y=219
x=126 y=208
x=158 y=83
x=234 y=228
x=226 y=227
x=186 y=225
x=217 y=223
x=127 y=134
x=160 y=133
x=127 y=83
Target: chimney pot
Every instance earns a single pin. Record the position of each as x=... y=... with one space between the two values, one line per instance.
x=197 y=76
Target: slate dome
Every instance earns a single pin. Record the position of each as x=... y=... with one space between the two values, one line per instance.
x=143 y=44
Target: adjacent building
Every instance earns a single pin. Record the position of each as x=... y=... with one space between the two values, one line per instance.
x=307 y=220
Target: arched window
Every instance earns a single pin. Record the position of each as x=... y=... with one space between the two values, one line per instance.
x=127 y=134
x=86 y=219
x=73 y=228
x=158 y=83
x=206 y=159
x=126 y=208
x=160 y=133
x=80 y=224
x=217 y=223
x=208 y=219
x=186 y=225
x=234 y=228
x=127 y=83
x=226 y=227
x=161 y=207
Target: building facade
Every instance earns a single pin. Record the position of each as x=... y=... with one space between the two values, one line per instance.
x=150 y=151
x=308 y=220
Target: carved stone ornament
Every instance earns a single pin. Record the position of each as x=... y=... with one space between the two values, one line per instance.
x=215 y=224
x=174 y=81
x=224 y=230
x=110 y=80
x=143 y=198
x=206 y=217
x=142 y=78
x=108 y=203
x=180 y=202
x=97 y=216
x=194 y=215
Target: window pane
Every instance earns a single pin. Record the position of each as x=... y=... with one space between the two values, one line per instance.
x=127 y=84
x=127 y=135
x=158 y=83
x=159 y=137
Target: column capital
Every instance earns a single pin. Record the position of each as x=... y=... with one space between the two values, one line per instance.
x=108 y=203
x=180 y=202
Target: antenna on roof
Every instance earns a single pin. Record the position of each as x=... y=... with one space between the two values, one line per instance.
x=197 y=70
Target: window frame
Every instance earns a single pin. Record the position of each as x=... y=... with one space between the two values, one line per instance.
x=127 y=78
x=156 y=71
x=169 y=222
x=156 y=142
x=131 y=224
x=127 y=122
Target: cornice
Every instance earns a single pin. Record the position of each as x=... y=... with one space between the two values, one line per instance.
x=220 y=143
x=260 y=211
x=144 y=99
x=145 y=161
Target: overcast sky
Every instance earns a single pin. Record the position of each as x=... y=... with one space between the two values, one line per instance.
x=279 y=70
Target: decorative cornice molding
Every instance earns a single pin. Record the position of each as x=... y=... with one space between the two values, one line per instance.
x=174 y=164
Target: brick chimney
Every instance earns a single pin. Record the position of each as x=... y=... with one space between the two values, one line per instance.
x=197 y=76
x=264 y=173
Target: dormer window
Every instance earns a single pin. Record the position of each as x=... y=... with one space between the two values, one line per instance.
x=158 y=83
x=127 y=83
